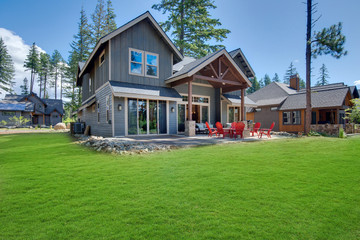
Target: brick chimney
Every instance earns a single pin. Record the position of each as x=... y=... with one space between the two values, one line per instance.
x=295 y=82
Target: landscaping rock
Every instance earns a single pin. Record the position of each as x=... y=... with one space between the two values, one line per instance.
x=60 y=126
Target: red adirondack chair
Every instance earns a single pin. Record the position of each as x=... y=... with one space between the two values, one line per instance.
x=266 y=131
x=220 y=130
x=212 y=131
x=239 y=129
x=233 y=125
x=255 y=129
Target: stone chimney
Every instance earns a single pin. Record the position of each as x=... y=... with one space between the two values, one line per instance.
x=295 y=82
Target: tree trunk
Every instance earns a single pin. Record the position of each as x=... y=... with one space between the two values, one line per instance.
x=32 y=80
x=61 y=86
x=41 y=80
x=181 y=37
x=56 y=84
x=45 y=85
x=308 y=69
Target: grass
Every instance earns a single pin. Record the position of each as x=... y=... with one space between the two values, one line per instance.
x=306 y=188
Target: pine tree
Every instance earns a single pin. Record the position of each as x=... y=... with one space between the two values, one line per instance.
x=24 y=87
x=192 y=26
x=110 y=24
x=82 y=40
x=44 y=71
x=7 y=70
x=255 y=86
x=327 y=41
x=276 y=78
x=32 y=63
x=267 y=80
x=70 y=90
x=291 y=71
x=261 y=83
x=324 y=76
x=55 y=62
x=98 y=19
x=302 y=84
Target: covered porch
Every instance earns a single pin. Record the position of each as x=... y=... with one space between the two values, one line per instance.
x=215 y=74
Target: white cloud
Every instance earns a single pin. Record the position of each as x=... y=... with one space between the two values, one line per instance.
x=357 y=82
x=18 y=50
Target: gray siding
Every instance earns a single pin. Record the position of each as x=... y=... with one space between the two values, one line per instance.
x=119 y=116
x=266 y=117
x=102 y=128
x=54 y=118
x=6 y=118
x=143 y=37
x=172 y=118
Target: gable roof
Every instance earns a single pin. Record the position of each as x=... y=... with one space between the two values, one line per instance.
x=273 y=94
x=249 y=72
x=186 y=60
x=126 y=26
x=195 y=66
x=9 y=105
x=319 y=99
x=20 y=98
x=236 y=100
x=354 y=92
x=54 y=104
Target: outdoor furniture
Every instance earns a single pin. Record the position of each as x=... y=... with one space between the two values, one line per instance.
x=255 y=129
x=266 y=131
x=200 y=128
x=221 y=130
x=239 y=129
x=212 y=131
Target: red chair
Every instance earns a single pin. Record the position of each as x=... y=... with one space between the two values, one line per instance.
x=267 y=131
x=212 y=131
x=233 y=125
x=255 y=129
x=239 y=129
x=220 y=130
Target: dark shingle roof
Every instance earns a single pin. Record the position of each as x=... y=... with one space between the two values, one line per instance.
x=144 y=89
x=245 y=64
x=8 y=105
x=53 y=104
x=319 y=99
x=354 y=92
x=13 y=97
x=272 y=94
x=237 y=99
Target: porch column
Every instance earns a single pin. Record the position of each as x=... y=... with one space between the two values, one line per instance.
x=190 y=100
x=242 y=104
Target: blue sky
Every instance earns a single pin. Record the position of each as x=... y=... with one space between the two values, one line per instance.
x=270 y=33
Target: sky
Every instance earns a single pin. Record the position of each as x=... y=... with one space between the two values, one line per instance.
x=270 y=33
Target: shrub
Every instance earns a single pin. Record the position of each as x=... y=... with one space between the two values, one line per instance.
x=19 y=121
x=3 y=123
x=313 y=134
x=342 y=133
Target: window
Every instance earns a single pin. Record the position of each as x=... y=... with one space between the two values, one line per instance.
x=102 y=58
x=152 y=65
x=143 y=63
x=258 y=109
x=89 y=85
x=273 y=109
x=98 y=112
x=313 y=117
x=8 y=113
x=108 y=109
x=136 y=62
x=293 y=118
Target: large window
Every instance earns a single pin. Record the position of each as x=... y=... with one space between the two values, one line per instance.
x=143 y=63
x=292 y=118
x=233 y=114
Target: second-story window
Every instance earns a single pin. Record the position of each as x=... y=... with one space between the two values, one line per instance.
x=152 y=65
x=102 y=58
x=136 y=62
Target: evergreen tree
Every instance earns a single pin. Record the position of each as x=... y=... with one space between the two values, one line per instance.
x=276 y=78
x=110 y=24
x=267 y=80
x=324 y=76
x=255 y=86
x=24 y=87
x=55 y=62
x=70 y=90
x=32 y=63
x=261 y=83
x=98 y=22
x=327 y=41
x=191 y=25
x=291 y=71
x=302 y=83
x=7 y=70
x=82 y=40
x=44 y=71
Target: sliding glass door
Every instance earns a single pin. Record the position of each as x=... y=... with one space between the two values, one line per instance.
x=146 y=117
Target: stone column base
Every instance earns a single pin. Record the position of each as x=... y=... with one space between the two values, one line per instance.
x=189 y=128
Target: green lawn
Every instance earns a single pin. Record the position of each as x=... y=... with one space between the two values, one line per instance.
x=306 y=188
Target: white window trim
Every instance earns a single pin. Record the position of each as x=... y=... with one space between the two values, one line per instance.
x=102 y=54
x=228 y=112
x=194 y=103
x=142 y=62
x=157 y=62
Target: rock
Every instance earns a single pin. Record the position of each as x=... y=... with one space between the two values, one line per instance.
x=60 y=126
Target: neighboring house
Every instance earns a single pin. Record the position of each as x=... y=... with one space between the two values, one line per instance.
x=39 y=111
x=137 y=82
x=285 y=105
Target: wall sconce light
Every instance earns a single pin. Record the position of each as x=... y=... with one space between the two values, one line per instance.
x=172 y=109
x=119 y=107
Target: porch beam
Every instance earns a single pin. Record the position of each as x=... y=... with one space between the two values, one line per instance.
x=213 y=69
x=180 y=82
x=226 y=71
x=190 y=100
x=230 y=69
x=242 y=104
x=218 y=80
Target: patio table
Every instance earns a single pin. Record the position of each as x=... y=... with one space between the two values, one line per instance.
x=231 y=131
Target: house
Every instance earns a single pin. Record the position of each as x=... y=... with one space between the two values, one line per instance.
x=285 y=104
x=137 y=82
x=39 y=111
